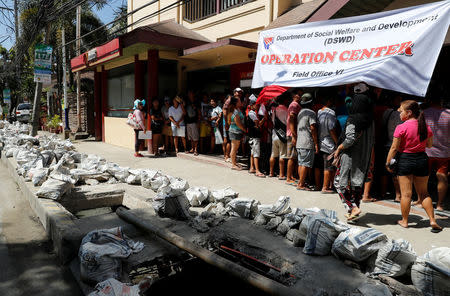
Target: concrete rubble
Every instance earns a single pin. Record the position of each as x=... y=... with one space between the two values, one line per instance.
x=307 y=240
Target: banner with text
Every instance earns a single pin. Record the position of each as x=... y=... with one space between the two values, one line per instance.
x=396 y=50
x=43 y=64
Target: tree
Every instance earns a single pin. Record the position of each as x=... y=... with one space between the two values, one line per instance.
x=119 y=27
x=37 y=15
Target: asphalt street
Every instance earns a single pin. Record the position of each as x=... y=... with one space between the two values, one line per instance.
x=27 y=264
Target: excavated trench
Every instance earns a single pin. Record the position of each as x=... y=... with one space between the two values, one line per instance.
x=189 y=275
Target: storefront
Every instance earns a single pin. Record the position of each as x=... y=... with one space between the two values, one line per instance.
x=159 y=60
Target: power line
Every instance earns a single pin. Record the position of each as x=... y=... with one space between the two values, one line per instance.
x=131 y=24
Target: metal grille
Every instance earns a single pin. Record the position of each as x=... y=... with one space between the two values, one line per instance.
x=196 y=10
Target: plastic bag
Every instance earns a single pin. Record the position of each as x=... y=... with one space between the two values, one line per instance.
x=134 y=177
x=178 y=186
x=290 y=221
x=101 y=252
x=147 y=176
x=48 y=157
x=394 y=258
x=38 y=175
x=197 y=195
x=243 y=207
x=158 y=182
x=321 y=233
x=112 y=287
x=358 y=244
x=54 y=189
x=122 y=174
x=431 y=273
x=91 y=162
x=280 y=208
x=223 y=195
x=172 y=206
x=63 y=174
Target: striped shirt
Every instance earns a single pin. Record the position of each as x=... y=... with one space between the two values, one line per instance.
x=439 y=122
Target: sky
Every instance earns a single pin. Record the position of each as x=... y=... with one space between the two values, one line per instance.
x=106 y=15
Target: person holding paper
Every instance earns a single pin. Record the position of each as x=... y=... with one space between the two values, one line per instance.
x=140 y=119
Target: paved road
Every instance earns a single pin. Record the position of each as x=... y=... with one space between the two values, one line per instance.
x=205 y=171
x=27 y=265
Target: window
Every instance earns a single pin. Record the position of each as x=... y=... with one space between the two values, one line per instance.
x=196 y=10
x=120 y=91
x=24 y=106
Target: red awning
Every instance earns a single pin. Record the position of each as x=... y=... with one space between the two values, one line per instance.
x=107 y=52
x=78 y=63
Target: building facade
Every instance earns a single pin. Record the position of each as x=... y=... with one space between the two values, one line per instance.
x=203 y=45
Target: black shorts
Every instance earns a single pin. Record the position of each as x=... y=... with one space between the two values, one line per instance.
x=327 y=164
x=415 y=164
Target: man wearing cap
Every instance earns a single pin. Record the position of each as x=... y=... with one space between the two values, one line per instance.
x=307 y=141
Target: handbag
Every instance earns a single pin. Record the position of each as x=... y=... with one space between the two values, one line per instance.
x=280 y=129
x=131 y=121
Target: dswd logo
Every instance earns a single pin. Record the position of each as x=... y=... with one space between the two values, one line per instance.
x=267 y=42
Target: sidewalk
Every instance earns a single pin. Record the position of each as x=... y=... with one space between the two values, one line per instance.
x=214 y=174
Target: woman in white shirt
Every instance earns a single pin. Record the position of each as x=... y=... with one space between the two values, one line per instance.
x=176 y=116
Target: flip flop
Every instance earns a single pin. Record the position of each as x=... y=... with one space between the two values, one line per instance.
x=260 y=175
x=327 y=191
x=304 y=189
x=282 y=178
x=435 y=230
x=236 y=168
x=272 y=176
x=369 y=200
x=355 y=218
x=252 y=172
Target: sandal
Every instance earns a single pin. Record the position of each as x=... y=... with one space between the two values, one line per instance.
x=354 y=218
x=368 y=200
x=252 y=172
x=435 y=228
x=281 y=178
x=327 y=191
x=304 y=188
x=236 y=168
x=260 y=175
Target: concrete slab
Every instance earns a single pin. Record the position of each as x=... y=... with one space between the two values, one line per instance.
x=92 y=197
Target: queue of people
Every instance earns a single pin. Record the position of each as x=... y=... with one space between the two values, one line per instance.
x=340 y=139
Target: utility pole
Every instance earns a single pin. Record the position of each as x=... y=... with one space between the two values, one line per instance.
x=16 y=18
x=66 y=106
x=17 y=33
x=37 y=95
x=78 y=33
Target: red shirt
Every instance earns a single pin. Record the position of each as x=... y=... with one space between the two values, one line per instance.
x=409 y=138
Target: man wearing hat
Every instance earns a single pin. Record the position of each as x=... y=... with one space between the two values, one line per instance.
x=307 y=140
